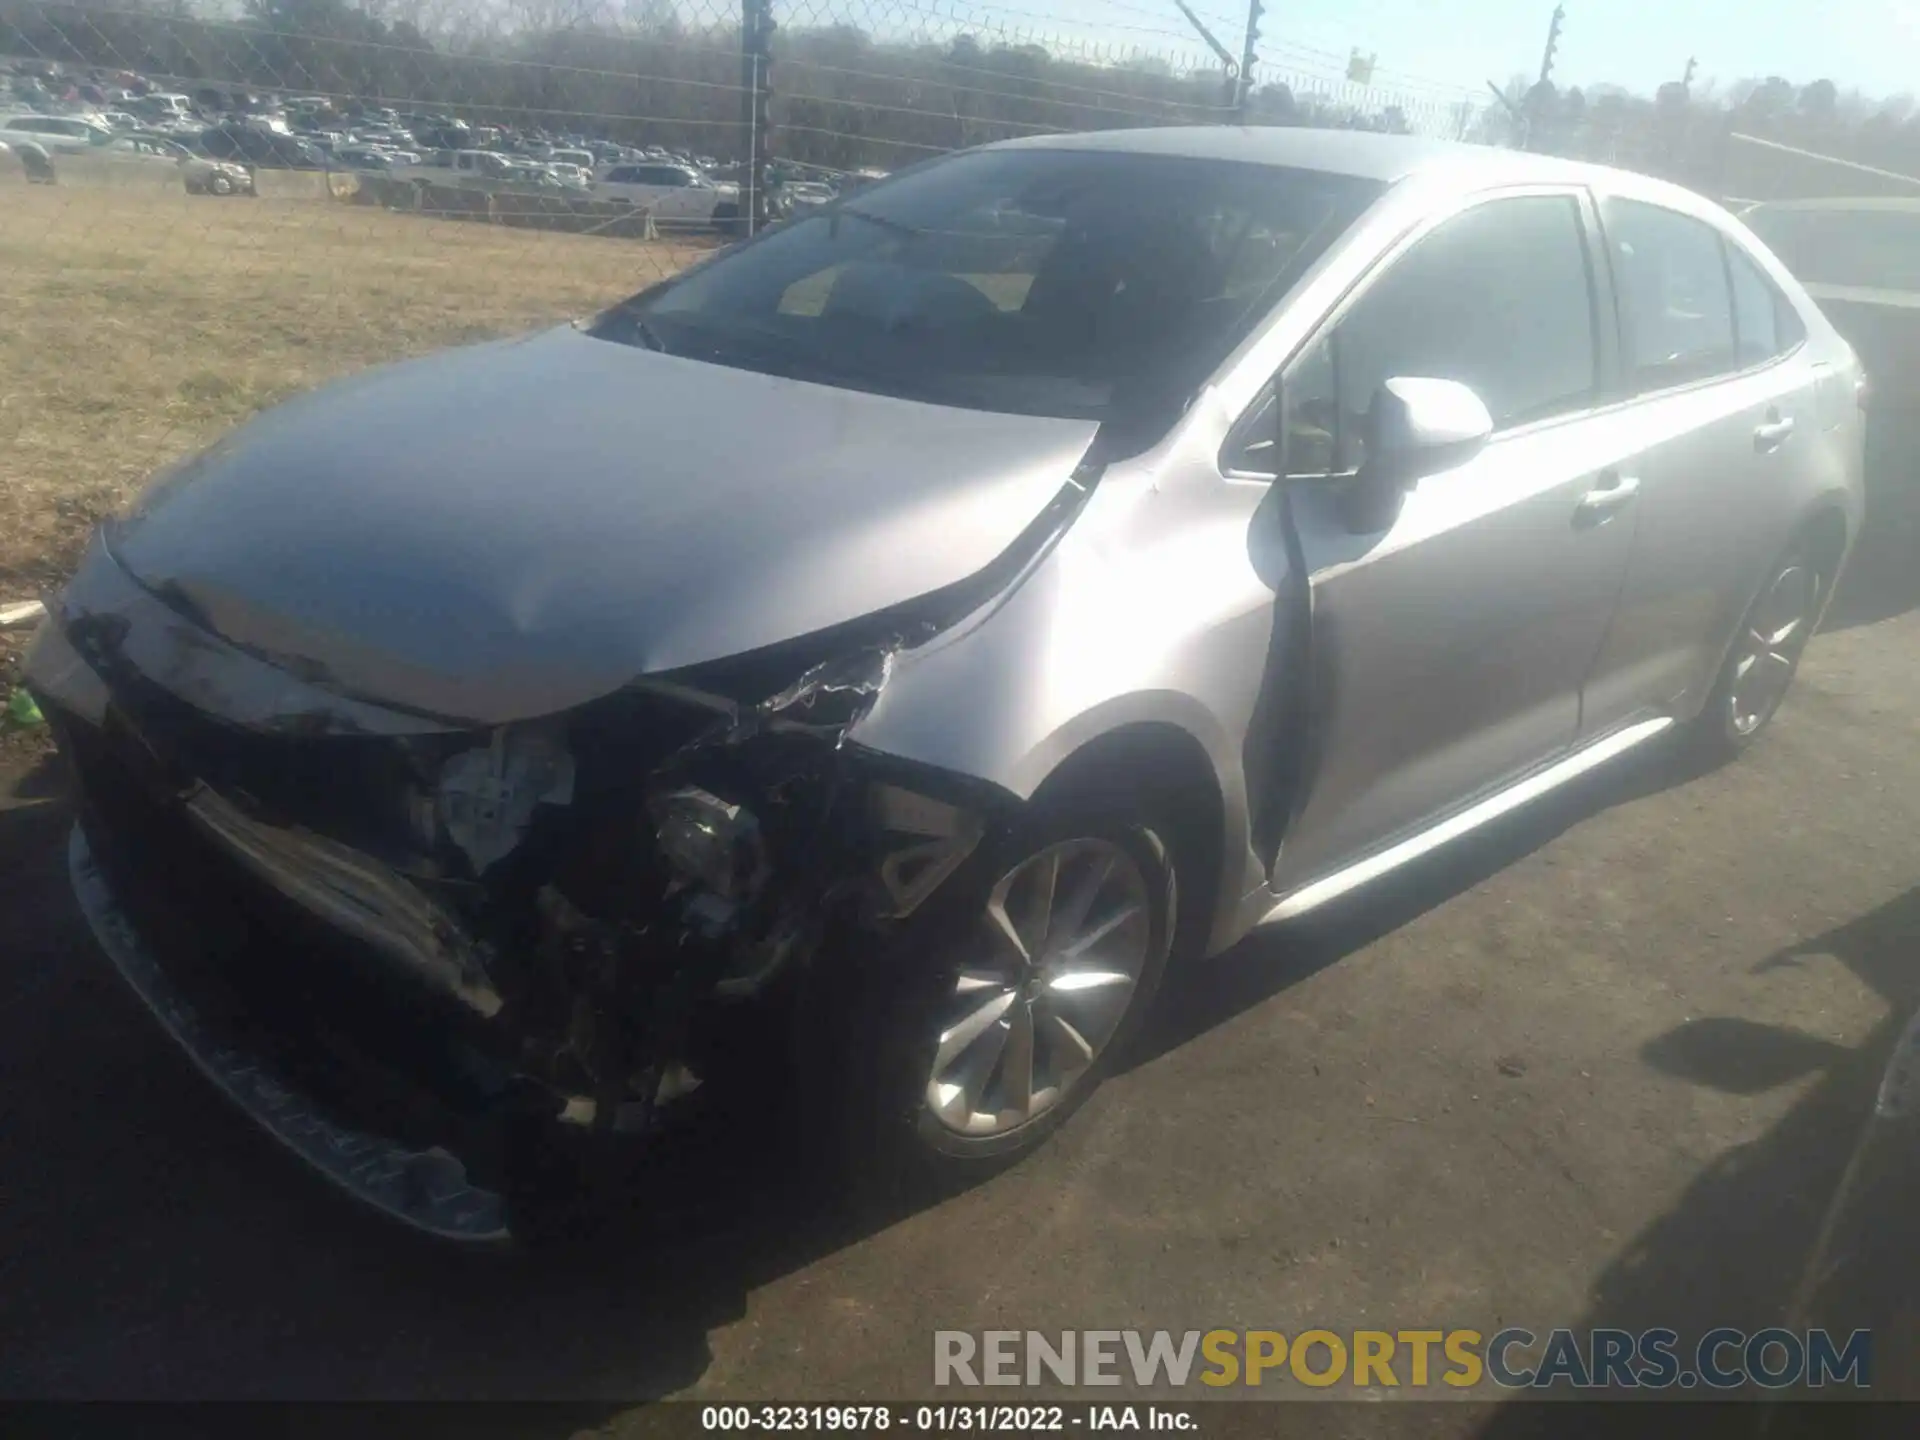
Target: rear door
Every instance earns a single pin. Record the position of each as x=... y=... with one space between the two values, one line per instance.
x=1725 y=404
x=1450 y=647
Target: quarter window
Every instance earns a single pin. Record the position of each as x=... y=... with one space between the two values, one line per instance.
x=1673 y=288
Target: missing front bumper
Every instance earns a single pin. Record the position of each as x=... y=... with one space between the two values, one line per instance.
x=425 y=1189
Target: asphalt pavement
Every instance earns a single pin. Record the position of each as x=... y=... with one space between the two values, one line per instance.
x=1612 y=1064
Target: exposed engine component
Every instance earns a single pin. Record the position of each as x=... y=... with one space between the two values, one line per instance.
x=711 y=842
x=487 y=795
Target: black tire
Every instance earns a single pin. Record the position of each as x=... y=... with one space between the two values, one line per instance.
x=1731 y=720
x=726 y=219
x=220 y=184
x=876 y=1017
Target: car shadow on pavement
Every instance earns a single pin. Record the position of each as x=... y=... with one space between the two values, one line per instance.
x=1810 y=1225
x=1199 y=997
x=1881 y=580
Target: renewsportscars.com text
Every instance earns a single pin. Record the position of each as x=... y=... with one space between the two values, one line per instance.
x=1513 y=1358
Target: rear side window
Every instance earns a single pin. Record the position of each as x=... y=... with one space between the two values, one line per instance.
x=1673 y=289
x=1764 y=324
x=1498 y=298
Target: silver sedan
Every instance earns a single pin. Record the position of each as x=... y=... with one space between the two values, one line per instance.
x=931 y=619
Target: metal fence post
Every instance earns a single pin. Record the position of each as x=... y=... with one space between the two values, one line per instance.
x=756 y=87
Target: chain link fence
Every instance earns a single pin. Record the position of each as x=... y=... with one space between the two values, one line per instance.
x=209 y=205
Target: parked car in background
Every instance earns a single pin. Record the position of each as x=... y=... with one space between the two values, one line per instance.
x=58 y=134
x=199 y=174
x=252 y=145
x=678 y=196
x=372 y=158
x=162 y=107
x=935 y=617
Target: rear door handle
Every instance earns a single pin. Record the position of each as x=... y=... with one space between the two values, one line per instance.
x=1599 y=503
x=1773 y=434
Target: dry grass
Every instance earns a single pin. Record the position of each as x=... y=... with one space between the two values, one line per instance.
x=139 y=326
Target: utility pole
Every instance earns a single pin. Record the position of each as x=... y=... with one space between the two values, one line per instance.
x=756 y=63
x=1234 y=89
x=1686 y=80
x=1244 y=91
x=1553 y=43
x=1539 y=101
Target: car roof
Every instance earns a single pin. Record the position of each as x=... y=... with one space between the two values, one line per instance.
x=1364 y=154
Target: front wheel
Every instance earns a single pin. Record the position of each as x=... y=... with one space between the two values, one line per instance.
x=220 y=184
x=977 y=1035
x=1765 y=656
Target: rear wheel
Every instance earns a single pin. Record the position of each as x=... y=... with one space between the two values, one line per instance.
x=1765 y=655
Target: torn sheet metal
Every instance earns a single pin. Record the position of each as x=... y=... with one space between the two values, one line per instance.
x=355 y=894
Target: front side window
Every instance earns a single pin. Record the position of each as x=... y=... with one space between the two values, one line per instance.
x=1497 y=298
x=1033 y=281
x=1673 y=290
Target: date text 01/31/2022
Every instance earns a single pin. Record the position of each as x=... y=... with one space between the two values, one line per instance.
x=1015 y=1419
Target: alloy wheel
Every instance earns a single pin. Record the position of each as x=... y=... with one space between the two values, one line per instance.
x=1050 y=975
x=1769 y=648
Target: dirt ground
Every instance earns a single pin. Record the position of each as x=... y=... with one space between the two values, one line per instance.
x=140 y=325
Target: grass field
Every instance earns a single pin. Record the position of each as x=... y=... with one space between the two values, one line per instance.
x=139 y=326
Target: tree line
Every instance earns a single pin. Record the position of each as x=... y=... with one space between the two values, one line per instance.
x=669 y=72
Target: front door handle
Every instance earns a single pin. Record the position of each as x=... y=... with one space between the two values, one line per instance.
x=1772 y=435
x=1599 y=503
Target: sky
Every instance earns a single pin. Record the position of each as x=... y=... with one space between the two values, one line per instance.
x=1873 y=45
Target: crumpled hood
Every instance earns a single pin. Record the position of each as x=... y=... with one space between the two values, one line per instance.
x=510 y=529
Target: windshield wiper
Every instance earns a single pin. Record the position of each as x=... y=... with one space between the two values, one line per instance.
x=629 y=327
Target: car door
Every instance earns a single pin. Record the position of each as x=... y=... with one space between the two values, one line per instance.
x=676 y=196
x=640 y=184
x=1449 y=645
x=1724 y=405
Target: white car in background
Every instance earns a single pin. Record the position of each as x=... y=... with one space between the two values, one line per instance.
x=678 y=196
x=58 y=134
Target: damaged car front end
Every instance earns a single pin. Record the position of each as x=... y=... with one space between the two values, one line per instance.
x=471 y=972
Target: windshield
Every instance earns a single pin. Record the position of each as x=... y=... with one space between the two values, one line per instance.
x=1874 y=249
x=1082 y=284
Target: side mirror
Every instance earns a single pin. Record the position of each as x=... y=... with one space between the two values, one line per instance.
x=1414 y=428
x=1418 y=427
